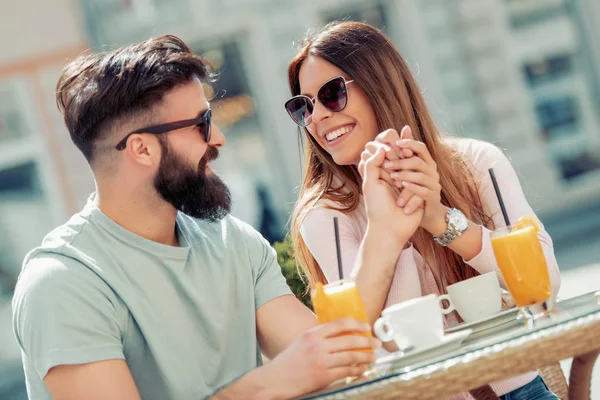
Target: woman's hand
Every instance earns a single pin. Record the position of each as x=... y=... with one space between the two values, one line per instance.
x=388 y=139
x=419 y=175
x=382 y=211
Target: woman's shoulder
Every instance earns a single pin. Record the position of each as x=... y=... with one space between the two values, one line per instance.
x=322 y=212
x=326 y=208
x=478 y=152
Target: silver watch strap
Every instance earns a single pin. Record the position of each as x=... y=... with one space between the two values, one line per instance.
x=447 y=237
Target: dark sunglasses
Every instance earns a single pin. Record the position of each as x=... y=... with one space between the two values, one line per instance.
x=333 y=95
x=203 y=123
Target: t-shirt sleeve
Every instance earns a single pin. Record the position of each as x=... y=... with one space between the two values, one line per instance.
x=269 y=281
x=65 y=314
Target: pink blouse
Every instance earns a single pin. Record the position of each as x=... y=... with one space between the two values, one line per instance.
x=413 y=277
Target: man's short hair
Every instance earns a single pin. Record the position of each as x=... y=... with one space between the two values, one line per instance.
x=99 y=91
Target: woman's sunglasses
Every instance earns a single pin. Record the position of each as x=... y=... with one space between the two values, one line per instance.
x=203 y=123
x=333 y=95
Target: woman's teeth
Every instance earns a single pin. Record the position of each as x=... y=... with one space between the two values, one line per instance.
x=338 y=132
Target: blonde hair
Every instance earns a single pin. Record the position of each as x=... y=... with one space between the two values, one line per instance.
x=369 y=58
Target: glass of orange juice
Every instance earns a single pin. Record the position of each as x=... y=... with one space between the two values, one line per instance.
x=339 y=299
x=522 y=263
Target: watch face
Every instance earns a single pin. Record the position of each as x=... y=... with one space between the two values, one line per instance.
x=457 y=218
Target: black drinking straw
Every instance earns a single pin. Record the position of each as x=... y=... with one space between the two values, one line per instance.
x=499 y=196
x=337 y=246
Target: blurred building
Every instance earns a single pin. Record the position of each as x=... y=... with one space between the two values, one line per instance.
x=40 y=174
x=523 y=74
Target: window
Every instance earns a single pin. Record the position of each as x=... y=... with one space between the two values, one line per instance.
x=549 y=69
x=558 y=114
x=243 y=163
x=579 y=165
x=24 y=218
x=13 y=123
x=374 y=15
x=526 y=19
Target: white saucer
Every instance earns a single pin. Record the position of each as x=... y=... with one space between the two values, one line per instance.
x=449 y=343
x=483 y=324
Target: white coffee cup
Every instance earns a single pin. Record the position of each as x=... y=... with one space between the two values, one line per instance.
x=475 y=298
x=416 y=323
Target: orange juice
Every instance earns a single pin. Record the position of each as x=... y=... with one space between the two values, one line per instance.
x=339 y=299
x=521 y=260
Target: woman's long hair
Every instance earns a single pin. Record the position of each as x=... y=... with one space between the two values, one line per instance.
x=371 y=60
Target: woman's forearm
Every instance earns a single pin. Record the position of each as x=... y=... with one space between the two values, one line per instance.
x=468 y=245
x=375 y=268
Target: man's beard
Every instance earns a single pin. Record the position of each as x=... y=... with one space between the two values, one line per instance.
x=190 y=190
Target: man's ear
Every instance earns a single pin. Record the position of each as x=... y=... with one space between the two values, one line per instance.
x=144 y=149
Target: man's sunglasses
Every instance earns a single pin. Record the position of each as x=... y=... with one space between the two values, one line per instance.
x=333 y=95
x=203 y=123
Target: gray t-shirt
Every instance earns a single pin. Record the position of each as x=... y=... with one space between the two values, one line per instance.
x=182 y=317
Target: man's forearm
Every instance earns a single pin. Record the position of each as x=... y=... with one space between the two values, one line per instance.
x=250 y=386
x=377 y=260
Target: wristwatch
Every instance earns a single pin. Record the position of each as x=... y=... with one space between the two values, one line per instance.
x=457 y=224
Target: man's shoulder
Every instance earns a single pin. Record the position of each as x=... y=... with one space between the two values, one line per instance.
x=48 y=268
x=62 y=240
x=59 y=260
x=49 y=277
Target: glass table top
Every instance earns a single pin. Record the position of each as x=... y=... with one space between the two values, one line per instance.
x=564 y=311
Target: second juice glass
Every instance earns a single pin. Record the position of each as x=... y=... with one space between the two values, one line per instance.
x=523 y=265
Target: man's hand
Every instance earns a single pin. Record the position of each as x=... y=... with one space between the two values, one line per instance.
x=319 y=357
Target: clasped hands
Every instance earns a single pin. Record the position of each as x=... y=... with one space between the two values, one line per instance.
x=401 y=184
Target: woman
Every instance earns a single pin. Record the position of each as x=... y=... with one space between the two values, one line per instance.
x=349 y=84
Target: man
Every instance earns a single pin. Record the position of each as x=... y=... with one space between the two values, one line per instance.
x=153 y=291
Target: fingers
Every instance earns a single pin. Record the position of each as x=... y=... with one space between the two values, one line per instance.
x=421 y=191
x=390 y=137
x=350 y=358
x=413 y=177
x=364 y=156
x=385 y=176
x=418 y=148
x=353 y=342
x=414 y=203
x=404 y=196
x=413 y=163
x=343 y=372
x=406 y=134
x=368 y=152
x=372 y=167
x=343 y=325
x=372 y=147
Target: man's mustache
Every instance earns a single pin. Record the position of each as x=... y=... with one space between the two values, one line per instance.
x=212 y=153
